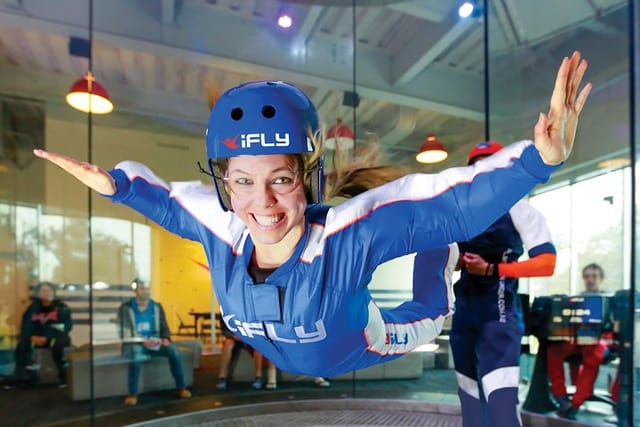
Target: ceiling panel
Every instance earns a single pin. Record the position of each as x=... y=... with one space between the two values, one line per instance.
x=419 y=70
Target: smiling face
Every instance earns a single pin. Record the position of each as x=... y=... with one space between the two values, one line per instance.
x=268 y=195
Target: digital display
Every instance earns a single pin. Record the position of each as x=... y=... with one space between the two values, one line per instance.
x=582 y=317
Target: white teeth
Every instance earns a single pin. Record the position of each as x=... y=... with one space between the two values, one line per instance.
x=267 y=220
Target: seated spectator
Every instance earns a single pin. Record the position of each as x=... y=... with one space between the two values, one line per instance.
x=230 y=351
x=231 y=348
x=258 y=383
x=6 y=336
x=45 y=324
x=145 y=333
x=583 y=376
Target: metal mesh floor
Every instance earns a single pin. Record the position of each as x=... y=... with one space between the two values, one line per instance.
x=337 y=412
x=357 y=418
x=321 y=413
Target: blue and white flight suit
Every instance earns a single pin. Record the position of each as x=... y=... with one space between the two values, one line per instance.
x=487 y=325
x=314 y=314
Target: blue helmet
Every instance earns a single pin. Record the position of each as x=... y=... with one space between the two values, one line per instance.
x=262 y=118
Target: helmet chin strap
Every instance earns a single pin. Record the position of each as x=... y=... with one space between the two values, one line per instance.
x=223 y=196
x=203 y=170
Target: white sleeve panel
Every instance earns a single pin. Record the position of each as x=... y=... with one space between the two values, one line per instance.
x=531 y=225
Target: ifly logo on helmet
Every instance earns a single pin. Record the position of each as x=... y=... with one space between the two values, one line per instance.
x=248 y=140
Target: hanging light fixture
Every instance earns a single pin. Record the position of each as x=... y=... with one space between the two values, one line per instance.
x=87 y=95
x=470 y=9
x=431 y=151
x=339 y=134
x=285 y=21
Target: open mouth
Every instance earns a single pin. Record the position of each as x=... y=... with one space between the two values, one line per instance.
x=268 y=220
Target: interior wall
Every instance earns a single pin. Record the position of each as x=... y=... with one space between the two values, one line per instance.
x=175 y=156
x=179 y=276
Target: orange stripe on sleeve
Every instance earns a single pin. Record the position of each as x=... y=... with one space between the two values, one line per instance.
x=541 y=265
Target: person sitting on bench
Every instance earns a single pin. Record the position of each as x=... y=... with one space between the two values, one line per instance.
x=145 y=333
x=45 y=324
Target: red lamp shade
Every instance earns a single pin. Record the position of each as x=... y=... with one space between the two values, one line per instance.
x=339 y=134
x=431 y=151
x=87 y=94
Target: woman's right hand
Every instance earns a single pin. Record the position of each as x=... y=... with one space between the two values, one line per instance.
x=92 y=176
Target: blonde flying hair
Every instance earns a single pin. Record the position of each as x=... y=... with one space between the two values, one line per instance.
x=355 y=173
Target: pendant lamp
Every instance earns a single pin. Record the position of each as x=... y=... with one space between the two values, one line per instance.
x=339 y=134
x=87 y=95
x=431 y=151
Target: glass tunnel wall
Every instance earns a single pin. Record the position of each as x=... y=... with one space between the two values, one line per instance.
x=468 y=80
x=630 y=400
x=163 y=64
x=418 y=73
x=384 y=76
x=45 y=215
x=588 y=203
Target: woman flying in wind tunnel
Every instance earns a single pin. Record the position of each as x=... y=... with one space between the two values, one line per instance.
x=290 y=273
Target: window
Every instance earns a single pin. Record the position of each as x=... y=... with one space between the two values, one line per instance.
x=589 y=222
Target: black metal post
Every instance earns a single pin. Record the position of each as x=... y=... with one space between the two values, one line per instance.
x=89 y=228
x=627 y=386
x=485 y=42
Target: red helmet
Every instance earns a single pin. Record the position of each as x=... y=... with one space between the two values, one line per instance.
x=486 y=148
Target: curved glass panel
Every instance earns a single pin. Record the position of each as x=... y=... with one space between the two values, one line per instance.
x=419 y=80
x=586 y=204
x=45 y=222
x=393 y=78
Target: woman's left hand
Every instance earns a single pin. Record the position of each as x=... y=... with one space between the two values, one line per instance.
x=555 y=131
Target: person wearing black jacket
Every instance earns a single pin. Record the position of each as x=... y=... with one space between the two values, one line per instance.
x=45 y=324
x=145 y=333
